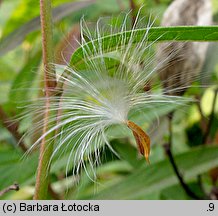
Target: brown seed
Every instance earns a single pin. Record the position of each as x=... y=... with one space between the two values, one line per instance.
x=142 y=139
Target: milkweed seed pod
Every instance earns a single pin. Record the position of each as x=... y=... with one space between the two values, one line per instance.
x=184 y=60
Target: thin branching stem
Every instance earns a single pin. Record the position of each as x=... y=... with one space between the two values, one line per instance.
x=15 y=187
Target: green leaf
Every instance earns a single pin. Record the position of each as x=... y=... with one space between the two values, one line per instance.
x=110 y=43
x=150 y=179
x=14 y=168
x=21 y=86
x=107 y=174
x=126 y=152
x=176 y=192
x=16 y=37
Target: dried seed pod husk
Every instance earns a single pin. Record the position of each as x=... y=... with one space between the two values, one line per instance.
x=183 y=61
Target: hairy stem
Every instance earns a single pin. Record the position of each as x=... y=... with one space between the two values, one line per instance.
x=46 y=148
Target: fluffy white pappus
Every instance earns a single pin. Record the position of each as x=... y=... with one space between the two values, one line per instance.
x=99 y=94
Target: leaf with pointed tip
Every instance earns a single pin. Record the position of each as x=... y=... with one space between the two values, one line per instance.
x=110 y=43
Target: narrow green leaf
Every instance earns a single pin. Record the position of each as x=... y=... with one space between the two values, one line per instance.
x=150 y=179
x=110 y=43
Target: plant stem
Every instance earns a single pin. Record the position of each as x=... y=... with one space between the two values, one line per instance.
x=15 y=187
x=133 y=8
x=179 y=176
x=207 y=132
x=170 y=128
x=12 y=128
x=203 y=120
x=168 y=151
x=46 y=148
